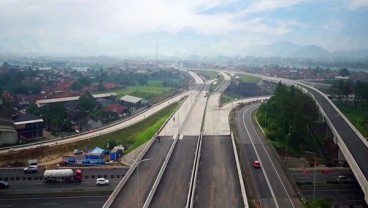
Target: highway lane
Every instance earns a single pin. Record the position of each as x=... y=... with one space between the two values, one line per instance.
x=33 y=185
x=217 y=183
x=174 y=186
x=270 y=186
x=356 y=146
x=52 y=202
x=137 y=188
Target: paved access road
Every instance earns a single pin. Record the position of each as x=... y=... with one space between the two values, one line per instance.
x=218 y=182
x=53 y=202
x=20 y=182
x=269 y=185
x=137 y=188
x=174 y=185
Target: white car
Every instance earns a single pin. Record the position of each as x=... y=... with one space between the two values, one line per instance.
x=31 y=169
x=102 y=181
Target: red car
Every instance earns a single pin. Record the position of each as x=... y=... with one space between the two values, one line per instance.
x=256 y=164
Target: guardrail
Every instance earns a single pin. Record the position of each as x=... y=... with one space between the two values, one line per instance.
x=163 y=168
x=93 y=132
x=193 y=180
x=121 y=184
x=159 y=176
x=242 y=188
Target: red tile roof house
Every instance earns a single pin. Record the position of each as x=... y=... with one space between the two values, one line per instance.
x=115 y=111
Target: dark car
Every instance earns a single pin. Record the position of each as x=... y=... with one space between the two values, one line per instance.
x=4 y=185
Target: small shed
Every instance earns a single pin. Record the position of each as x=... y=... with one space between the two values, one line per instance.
x=116 y=152
x=131 y=101
x=96 y=153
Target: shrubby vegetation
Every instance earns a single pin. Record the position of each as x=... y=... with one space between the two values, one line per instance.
x=288 y=119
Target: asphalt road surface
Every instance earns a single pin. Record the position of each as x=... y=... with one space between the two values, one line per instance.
x=33 y=183
x=137 y=188
x=52 y=202
x=174 y=185
x=217 y=183
x=356 y=147
x=269 y=185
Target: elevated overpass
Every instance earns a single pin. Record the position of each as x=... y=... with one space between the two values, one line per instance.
x=351 y=142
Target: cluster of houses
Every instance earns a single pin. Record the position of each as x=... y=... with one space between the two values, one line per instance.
x=17 y=127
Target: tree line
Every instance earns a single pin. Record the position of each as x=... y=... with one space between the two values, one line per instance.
x=288 y=117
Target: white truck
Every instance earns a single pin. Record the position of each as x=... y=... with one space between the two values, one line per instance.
x=62 y=175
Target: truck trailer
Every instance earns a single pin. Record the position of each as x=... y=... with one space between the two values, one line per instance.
x=62 y=175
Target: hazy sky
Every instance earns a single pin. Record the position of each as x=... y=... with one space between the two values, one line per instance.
x=181 y=27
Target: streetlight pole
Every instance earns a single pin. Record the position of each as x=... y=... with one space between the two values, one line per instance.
x=144 y=160
x=314 y=175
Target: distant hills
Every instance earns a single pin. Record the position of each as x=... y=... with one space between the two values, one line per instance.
x=288 y=49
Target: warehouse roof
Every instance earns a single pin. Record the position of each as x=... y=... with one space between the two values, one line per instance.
x=131 y=99
x=66 y=99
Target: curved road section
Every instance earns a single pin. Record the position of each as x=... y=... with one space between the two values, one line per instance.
x=356 y=146
x=269 y=185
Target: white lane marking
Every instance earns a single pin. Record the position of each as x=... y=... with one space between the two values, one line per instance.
x=263 y=170
x=274 y=167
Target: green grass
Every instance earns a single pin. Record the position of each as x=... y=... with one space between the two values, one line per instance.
x=225 y=99
x=134 y=136
x=218 y=83
x=208 y=74
x=145 y=92
x=247 y=78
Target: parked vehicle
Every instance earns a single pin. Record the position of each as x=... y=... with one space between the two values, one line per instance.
x=4 y=185
x=102 y=181
x=31 y=169
x=62 y=175
x=78 y=152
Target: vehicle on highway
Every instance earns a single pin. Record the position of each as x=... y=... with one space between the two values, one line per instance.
x=343 y=179
x=62 y=175
x=102 y=181
x=256 y=164
x=4 y=185
x=31 y=169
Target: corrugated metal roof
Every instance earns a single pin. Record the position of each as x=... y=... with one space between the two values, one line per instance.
x=131 y=99
x=56 y=100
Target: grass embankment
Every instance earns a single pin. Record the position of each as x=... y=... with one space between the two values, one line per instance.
x=208 y=74
x=134 y=136
x=216 y=84
x=357 y=116
x=152 y=89
x=228 y=97
x=248 y=79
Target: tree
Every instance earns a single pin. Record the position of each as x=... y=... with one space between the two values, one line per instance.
x=344 y=72
x=86 y=102
x=33 y=109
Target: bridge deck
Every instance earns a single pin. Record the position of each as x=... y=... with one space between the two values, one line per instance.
x=352 y=141
x=174 y=186
x=218 y=183
x=148 y=170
